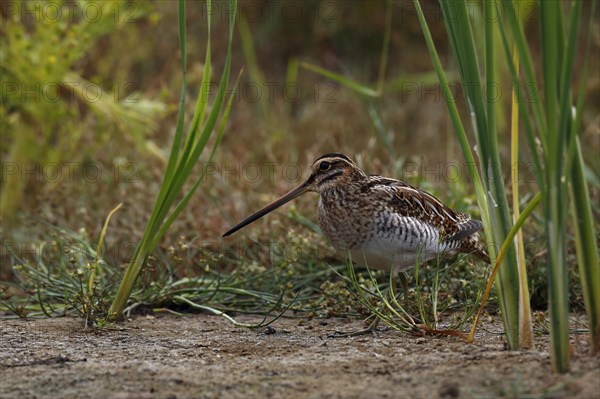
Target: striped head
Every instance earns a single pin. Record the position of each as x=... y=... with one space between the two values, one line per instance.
x=332 y=170
x=328 y=171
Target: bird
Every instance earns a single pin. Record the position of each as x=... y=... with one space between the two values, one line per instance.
x=381 y=223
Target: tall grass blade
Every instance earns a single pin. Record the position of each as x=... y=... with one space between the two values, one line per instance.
x=585 y=234
x=181 y=205
x=344 y=81
x=456 y=121
x=587 y=249
x=99 y=249
x=507 y=243
x=495 y=212
x=87 y=307
x=179 y=166
x=483 y=110
x=200 y=111
x=522 y=94
x=386 y=46
x=525 y=324
x=512 y=15
x=555 y=193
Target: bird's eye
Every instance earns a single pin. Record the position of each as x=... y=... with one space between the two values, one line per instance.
x=324 y=166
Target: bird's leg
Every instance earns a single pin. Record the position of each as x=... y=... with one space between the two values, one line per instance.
x=397 y=273
x=404 y=282
x=375 y=323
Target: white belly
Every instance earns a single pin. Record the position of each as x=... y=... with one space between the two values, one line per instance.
x=398 y=247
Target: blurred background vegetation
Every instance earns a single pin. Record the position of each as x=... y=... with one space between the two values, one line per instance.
x=89 y=101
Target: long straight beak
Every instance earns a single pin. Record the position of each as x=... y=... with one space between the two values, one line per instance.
x=298 y=191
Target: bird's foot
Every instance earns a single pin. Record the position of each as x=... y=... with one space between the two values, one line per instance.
x=434 y=331
x=372 y=329
x=342 y=334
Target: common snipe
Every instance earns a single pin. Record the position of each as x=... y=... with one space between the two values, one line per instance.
x=383 y=223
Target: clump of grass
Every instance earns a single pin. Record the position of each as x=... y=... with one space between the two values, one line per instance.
x=54 y=281
x=551 y=126
x=433 y=294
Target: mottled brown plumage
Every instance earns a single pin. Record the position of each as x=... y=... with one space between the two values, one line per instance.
x=383 y=223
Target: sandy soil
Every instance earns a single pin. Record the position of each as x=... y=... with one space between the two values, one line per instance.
x=205 y=356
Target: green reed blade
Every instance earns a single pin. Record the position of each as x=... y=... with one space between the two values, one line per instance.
x=179 y=167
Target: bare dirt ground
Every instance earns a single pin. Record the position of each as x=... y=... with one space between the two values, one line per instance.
x=204 y=356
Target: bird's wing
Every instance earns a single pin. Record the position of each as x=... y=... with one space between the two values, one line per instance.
x=410 y=201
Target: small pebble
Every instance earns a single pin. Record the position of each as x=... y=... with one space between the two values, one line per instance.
x=270 y=330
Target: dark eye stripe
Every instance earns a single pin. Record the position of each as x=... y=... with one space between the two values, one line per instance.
x=329 y=177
